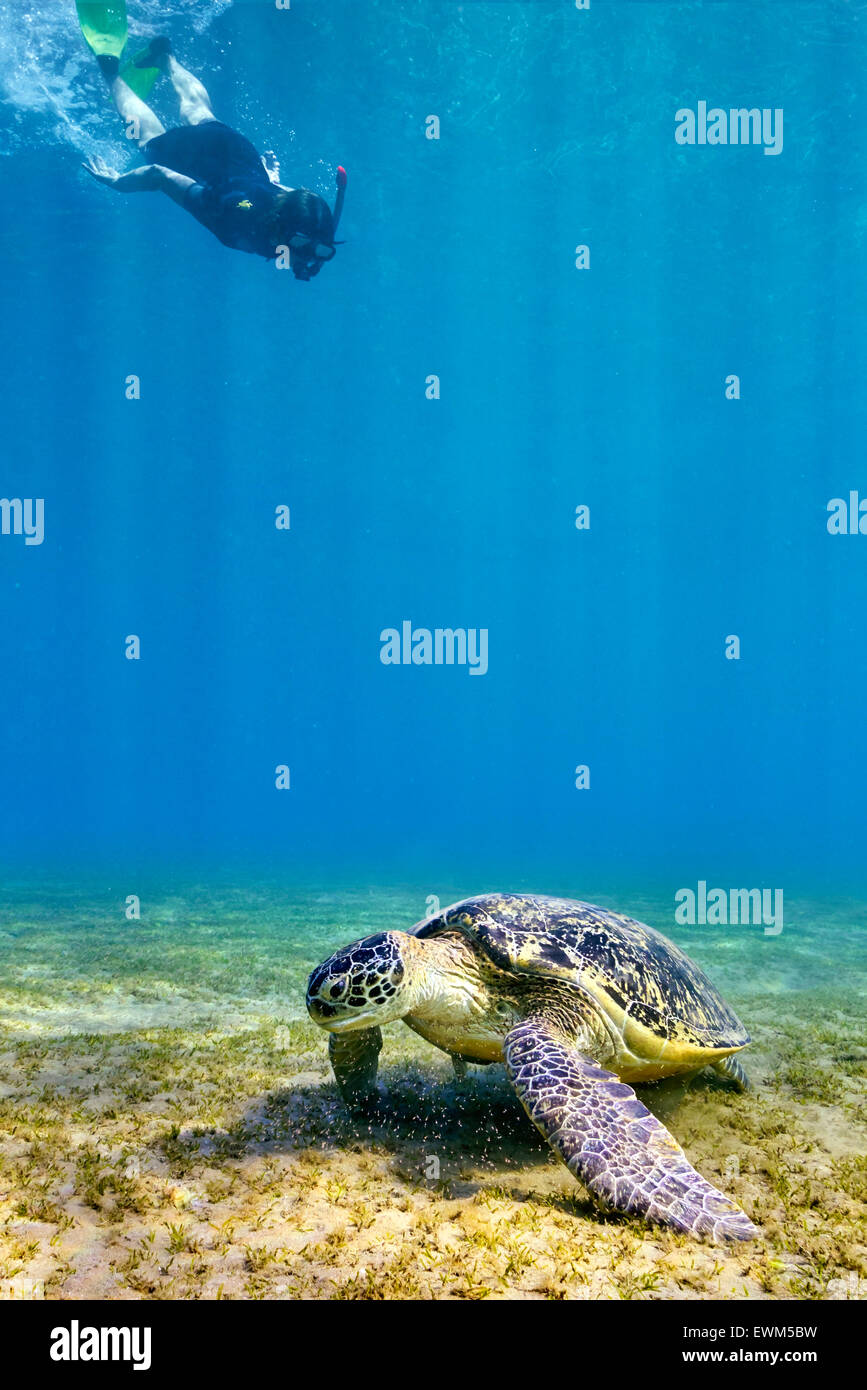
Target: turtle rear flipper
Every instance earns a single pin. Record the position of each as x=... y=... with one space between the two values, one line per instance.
x=731 y=1071
x=609 y=1140
x=355 y=1058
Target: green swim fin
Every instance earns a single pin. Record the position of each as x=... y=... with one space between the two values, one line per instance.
x=104 y=26
x=105 y=29
x=141 y=80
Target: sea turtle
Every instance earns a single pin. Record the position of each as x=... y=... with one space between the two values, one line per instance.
x=577 y=1001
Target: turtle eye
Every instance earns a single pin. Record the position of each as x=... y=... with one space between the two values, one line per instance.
x=502 y=1010
x=338 y=988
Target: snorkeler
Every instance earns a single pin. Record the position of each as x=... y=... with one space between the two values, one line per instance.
x=203 y=165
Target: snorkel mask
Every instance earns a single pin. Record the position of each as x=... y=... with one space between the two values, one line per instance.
x=309 y=255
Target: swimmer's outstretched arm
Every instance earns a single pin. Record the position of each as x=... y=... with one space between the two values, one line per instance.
x=150 y=178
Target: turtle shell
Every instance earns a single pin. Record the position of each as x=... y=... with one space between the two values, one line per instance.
x=657 y=998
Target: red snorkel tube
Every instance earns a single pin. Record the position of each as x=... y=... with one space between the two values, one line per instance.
x=341 y=194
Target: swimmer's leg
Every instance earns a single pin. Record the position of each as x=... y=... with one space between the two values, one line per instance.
x=131 y=108
x=194 y=100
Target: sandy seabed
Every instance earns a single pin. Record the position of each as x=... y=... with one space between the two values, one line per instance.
x=169 y=1128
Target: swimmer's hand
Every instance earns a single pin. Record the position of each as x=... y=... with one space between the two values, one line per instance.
x=99 y=170
x=271 y=166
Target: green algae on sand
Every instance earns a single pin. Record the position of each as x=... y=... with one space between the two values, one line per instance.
x=170 y=1127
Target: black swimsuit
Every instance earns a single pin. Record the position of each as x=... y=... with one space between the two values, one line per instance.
x=233 y=194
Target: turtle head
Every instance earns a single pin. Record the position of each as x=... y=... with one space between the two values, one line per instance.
x=365 y=984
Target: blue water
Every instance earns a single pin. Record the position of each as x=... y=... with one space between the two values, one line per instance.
x=559 y=387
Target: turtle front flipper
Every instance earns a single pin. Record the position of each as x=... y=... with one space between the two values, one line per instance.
x=355 y=1058
x=609 y=1140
